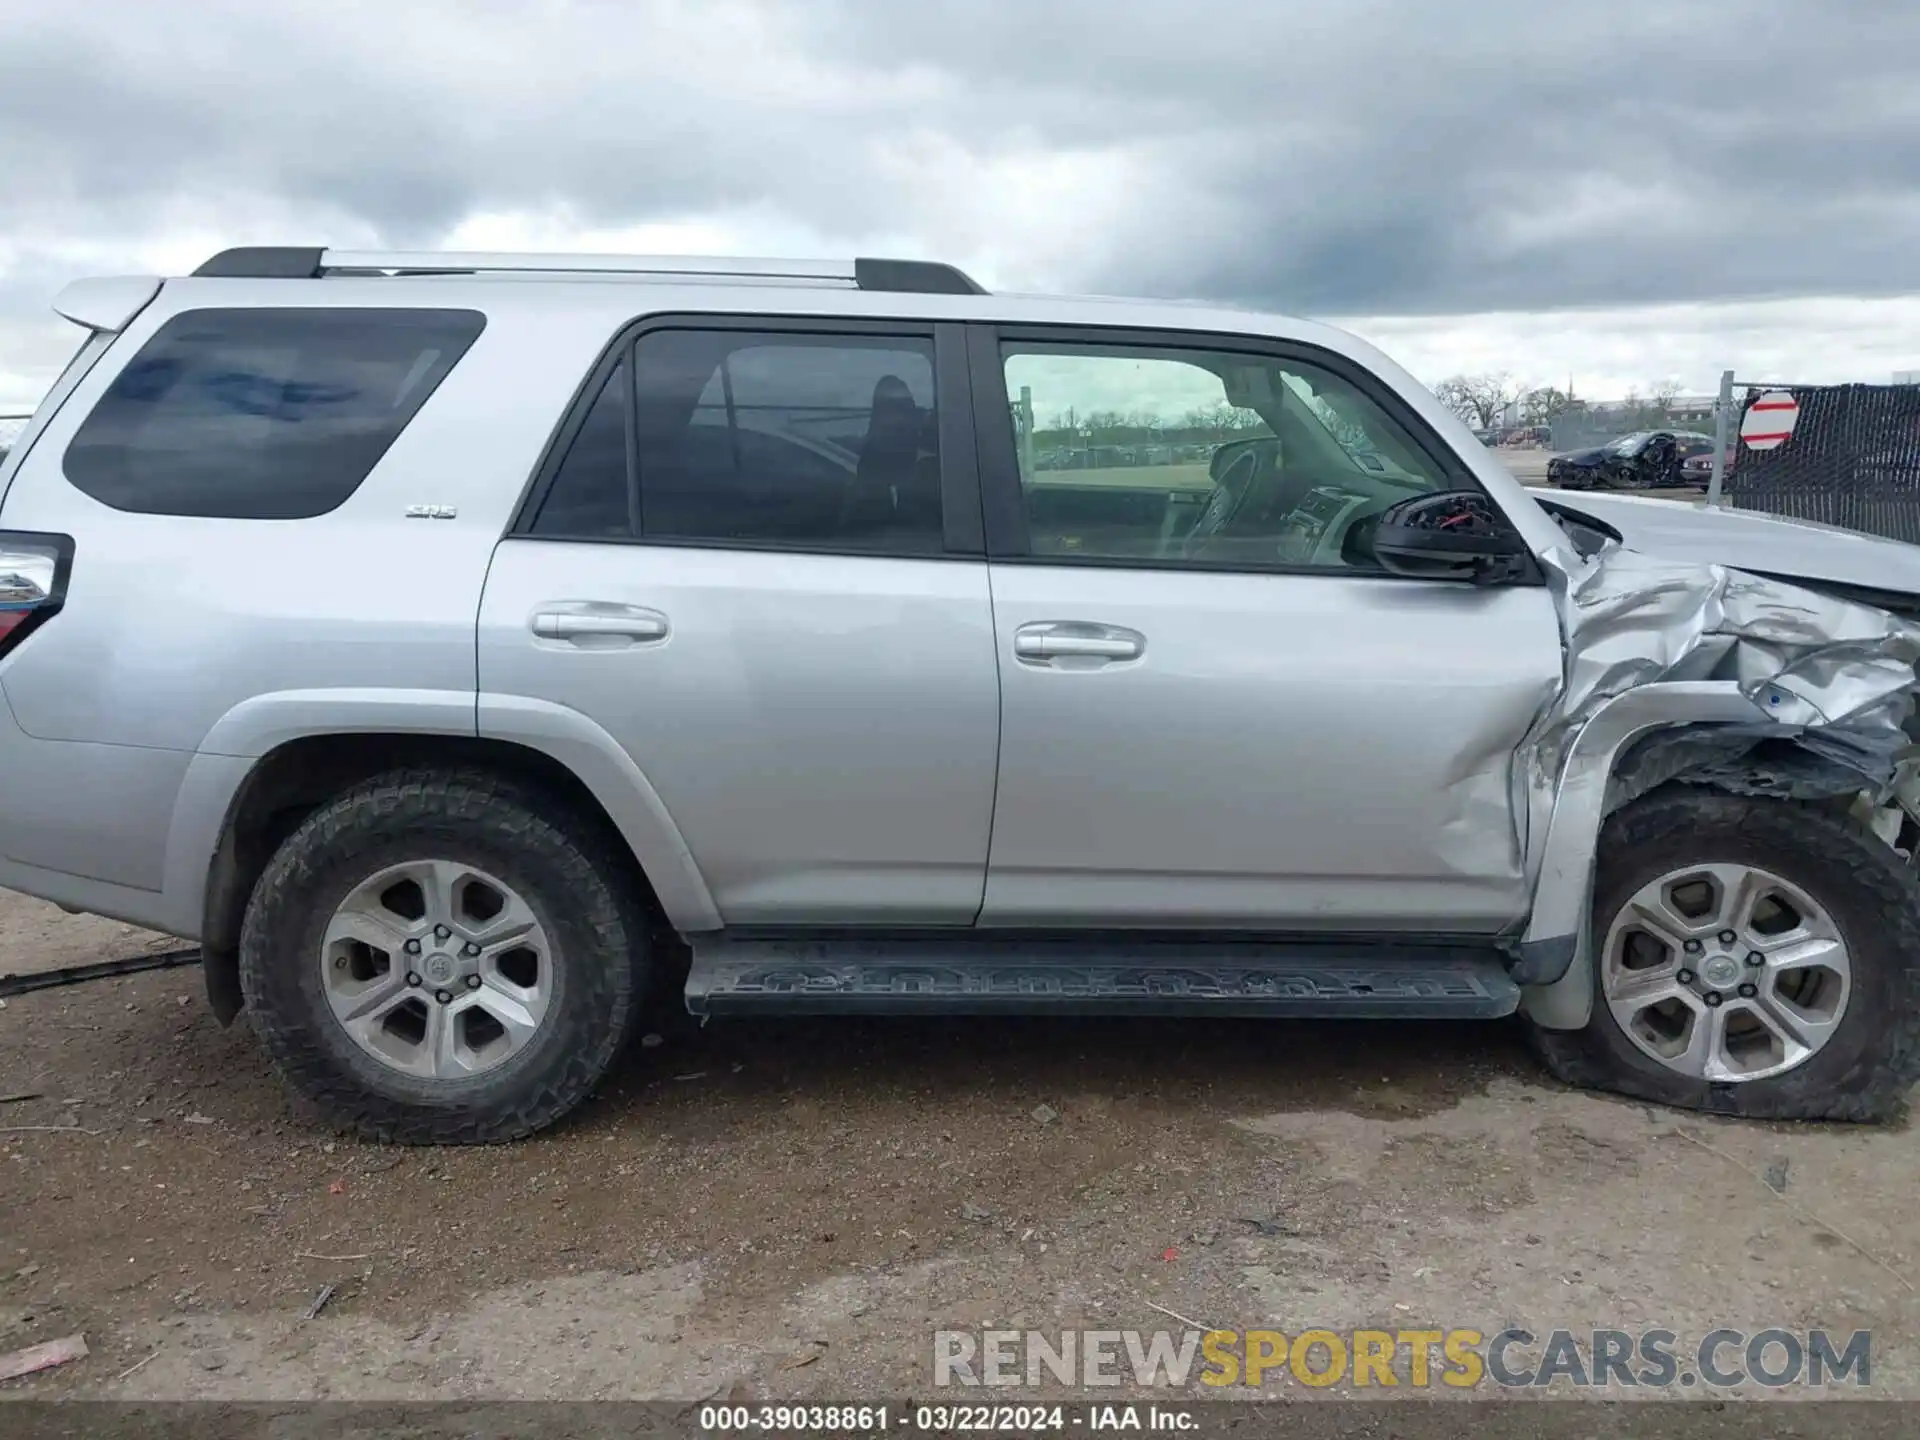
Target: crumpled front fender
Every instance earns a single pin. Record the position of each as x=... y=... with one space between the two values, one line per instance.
x=1555 y=963
x=1653 y=645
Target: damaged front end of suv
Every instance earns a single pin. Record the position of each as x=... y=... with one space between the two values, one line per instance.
x=1689 y=689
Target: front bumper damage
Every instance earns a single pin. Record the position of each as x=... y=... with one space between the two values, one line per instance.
x=1703 y=673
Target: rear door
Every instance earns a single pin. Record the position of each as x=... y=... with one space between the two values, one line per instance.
x=754 y=558
x=1212 y=713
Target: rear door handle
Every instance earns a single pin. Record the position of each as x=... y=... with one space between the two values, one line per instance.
x=594 y=625
x=1047 y=641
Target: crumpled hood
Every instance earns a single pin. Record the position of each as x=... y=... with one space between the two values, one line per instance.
x=1747 y=540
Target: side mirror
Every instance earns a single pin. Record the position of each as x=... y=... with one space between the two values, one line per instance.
x=1454 y=535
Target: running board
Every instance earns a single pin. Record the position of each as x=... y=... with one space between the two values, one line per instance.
x=977 y=975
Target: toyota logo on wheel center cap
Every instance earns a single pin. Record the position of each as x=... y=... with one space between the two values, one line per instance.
x=1722 y=972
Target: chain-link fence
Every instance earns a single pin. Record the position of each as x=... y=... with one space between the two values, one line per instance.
x=1587 y=425
x=1845 y=455
x=1584 y=431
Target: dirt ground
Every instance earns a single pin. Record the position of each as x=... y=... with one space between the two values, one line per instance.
x=791 y=1210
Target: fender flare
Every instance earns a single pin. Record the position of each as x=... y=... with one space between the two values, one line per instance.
x=1556 y=955
x=599 y=762
x=262 y=724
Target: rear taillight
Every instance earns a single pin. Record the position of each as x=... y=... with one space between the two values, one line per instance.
x=33 y=582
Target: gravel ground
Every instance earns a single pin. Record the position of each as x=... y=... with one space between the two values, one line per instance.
x=790 y=1210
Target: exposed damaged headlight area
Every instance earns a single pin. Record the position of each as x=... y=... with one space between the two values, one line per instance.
x=1831 y=679
x=1805 y=658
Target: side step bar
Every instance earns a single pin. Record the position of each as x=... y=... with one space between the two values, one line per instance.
x=1107 y=975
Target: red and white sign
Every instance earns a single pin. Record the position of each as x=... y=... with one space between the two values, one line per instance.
x=1769 y=420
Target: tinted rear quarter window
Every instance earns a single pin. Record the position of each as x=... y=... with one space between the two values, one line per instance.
x=262 y=414
x=591 y=491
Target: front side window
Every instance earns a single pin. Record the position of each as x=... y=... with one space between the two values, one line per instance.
x=1198 y=457
x=269 y=414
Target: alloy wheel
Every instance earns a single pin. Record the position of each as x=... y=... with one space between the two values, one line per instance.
x=1725 y=972
x=437 y=969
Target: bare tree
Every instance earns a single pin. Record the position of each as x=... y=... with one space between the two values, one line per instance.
x=1643 y=412
x=1478 y=399
x=1544 y=405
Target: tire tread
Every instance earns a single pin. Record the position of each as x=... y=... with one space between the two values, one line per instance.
x=1885 y=903
x=507 y=813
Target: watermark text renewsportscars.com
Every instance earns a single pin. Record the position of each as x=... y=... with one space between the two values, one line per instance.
x=1459 y=1359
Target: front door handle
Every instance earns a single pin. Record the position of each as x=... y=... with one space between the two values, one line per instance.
x=594 y=625
x=1078 y=641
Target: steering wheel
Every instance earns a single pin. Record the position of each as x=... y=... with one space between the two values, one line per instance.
x=1230 y=492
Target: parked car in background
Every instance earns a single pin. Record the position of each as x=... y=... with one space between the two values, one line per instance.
x=1643 y=460
x=1524 y=435
x=1697 y=469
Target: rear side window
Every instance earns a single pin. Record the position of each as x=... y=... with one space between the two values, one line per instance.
x=781 y=440
x=590 y=494
x=262 y=414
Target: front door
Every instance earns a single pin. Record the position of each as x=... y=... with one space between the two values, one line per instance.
x=1212 y=713
x=750 y=567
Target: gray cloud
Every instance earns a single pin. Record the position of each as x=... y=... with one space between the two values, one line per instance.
x=1364 y=157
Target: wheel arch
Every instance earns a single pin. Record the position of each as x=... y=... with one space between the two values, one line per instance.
x=1556 y=960
x=288 y=782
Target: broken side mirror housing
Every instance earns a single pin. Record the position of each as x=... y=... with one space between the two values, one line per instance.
x=1454 y=535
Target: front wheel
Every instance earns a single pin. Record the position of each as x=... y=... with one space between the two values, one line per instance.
x=433 y=959
x=1750 y=957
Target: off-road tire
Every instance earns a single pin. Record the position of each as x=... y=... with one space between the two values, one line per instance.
x=1865 y=1069
x=569 y=875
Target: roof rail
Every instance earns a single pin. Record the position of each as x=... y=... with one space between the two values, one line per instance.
x=265 y=262
x=915 y=277
x=286 y=262
x=430 y=262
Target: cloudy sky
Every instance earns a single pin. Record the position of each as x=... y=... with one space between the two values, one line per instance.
x=1625 y=192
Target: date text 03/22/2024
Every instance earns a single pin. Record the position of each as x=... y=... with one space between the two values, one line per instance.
x=943 y=1419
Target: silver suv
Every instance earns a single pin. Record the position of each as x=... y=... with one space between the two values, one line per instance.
x=467 y=649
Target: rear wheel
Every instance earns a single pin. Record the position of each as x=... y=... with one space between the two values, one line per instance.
x=434 y=960
x=1751 y=957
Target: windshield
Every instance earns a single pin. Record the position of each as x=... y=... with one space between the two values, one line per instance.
x=1630 y=444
